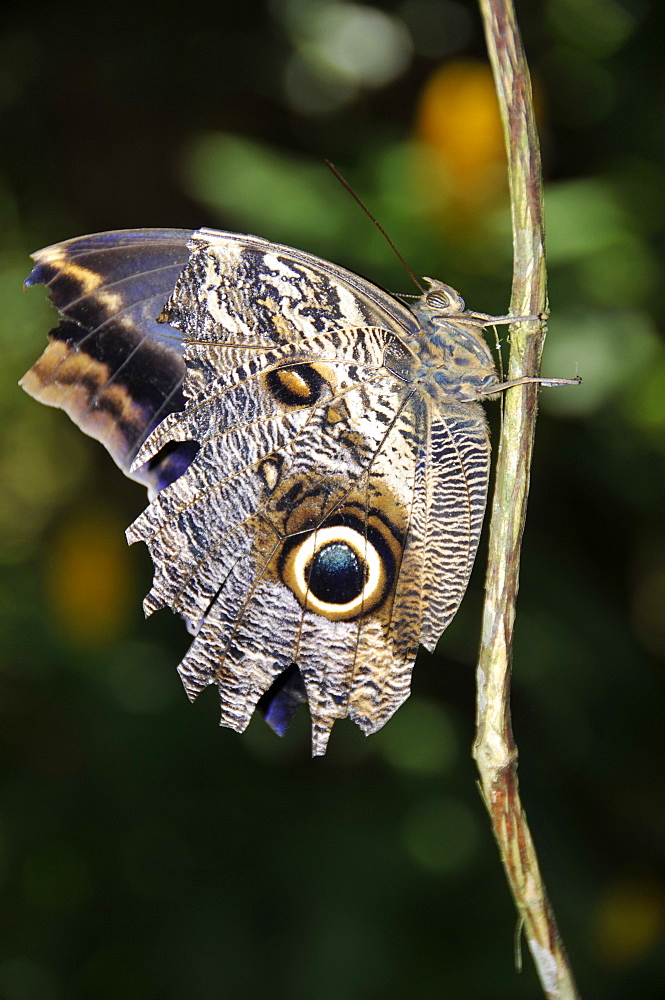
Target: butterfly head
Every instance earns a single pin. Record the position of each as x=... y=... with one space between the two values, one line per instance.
x=455 y=359
x=442 y=301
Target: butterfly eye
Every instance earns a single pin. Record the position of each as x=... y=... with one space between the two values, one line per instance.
x=438 y=300
x=338 y=572
x=442 y=298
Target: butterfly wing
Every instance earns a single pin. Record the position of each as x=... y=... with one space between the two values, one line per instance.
x=115 y=364
x=325 y=509
x=242 y=295
x=110 y=365
x=324 y=484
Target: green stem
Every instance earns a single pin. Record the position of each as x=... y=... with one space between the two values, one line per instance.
x=494 y=749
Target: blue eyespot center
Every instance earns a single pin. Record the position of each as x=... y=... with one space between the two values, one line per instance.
x=335 y=574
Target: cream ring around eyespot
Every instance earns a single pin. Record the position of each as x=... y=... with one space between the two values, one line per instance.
x=363 y=549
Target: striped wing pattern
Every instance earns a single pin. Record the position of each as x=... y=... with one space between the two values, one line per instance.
x=329 y=508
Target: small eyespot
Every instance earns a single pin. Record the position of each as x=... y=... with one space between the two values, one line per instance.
x=270 y=470
x=296 y=385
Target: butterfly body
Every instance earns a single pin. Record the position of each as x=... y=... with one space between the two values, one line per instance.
x=316 y=453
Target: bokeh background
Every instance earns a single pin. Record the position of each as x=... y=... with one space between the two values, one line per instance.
x=146 y=853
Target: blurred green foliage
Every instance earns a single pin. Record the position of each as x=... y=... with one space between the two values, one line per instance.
x=144 y=853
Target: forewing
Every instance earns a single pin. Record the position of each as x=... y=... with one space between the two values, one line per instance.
x=115 y=363
x=246 y=295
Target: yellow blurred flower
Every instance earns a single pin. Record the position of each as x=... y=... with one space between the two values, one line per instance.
x=89 y=582
x=629 y=921
x=458 y=123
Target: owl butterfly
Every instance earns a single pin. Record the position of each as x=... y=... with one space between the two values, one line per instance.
x=315 y=454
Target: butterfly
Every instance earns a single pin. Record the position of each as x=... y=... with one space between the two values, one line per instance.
x=315 y=453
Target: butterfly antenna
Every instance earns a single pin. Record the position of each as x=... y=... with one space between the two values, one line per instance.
x=345 y=183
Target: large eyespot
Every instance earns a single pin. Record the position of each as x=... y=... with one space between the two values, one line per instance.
x=296 y=385
x=339 y=570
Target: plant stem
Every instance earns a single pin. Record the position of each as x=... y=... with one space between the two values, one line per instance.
x=494 y=749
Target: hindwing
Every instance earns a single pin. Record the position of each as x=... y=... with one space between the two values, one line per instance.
x=110 y=364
